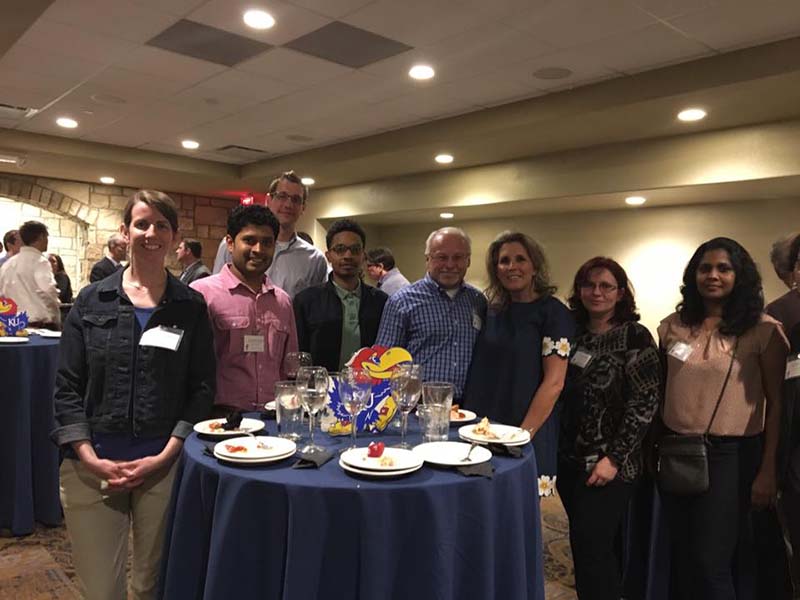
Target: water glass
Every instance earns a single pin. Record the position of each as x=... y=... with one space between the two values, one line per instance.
x=406 y=386
x=293 y=362
x=312 y=387
x=355 y=390
x=437 y=398
x=288 y=410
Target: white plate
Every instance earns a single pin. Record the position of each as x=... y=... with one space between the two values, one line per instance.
x=371 y=473
x=275 y=449
x=270 y=405
x=49 y=333
x=451 y=453
x=12 y=339
x=246 y=426
x=257 y=461
x=403 y=460
x=468 y=416
x=507 y=434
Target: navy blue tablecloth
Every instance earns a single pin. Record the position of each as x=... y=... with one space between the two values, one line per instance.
x=277 y=532
x=28 y=459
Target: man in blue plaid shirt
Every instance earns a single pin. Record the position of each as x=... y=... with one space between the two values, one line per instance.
x=438 y=318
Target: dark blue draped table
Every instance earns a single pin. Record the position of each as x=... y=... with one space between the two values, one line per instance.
x=278 y=532
x=28 y=459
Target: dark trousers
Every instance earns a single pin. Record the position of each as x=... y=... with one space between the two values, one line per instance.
x=713 y=555
x=595 y=515
x=790 y=504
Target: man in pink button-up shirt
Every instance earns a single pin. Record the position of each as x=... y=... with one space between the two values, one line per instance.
x=253 y=321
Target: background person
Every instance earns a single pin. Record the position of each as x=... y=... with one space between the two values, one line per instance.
x=63 y=283
x=12 y=243
x=520 y=359
x=612 y=392
x=117 y=249
x=718 y=325
x=123 y=406
x=189 y=255
x=383 y=271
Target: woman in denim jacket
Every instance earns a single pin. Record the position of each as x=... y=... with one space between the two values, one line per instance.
x=136 y=370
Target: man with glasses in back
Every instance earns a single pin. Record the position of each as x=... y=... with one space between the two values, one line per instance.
x=297 y=264
x=336 y=319
x=438 y=318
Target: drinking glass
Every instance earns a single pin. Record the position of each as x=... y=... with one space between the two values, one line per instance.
x=354 y=390
x=312 y=387
x=288 y=411
x=295 y=360
x=406 y=386
x=437 y=396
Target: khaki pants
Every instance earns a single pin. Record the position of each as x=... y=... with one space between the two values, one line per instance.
x=99 y=523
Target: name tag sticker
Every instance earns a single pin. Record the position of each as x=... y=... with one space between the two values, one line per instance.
x=477 y=322
x=581 y=359
x=792 y=367
x=168 y=338
x=254 y=343
x=681 y=351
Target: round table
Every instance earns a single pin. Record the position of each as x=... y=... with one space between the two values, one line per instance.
x=28 y=459
x=277 y=532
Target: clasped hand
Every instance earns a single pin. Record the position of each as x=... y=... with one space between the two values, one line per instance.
x=125 y=475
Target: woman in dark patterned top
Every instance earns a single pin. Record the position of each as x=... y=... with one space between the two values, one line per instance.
x=610 y=398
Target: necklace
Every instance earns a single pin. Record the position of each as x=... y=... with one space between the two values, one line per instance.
x=132 y=284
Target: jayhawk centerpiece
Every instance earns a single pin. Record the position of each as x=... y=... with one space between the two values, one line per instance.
x=379 y=362
x=11 y=323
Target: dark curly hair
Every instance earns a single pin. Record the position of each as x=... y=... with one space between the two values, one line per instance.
x=344 y=225
x=625 y=309
x=742 y=309
x=251 y=214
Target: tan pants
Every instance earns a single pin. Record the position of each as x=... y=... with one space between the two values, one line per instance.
x=99 y=523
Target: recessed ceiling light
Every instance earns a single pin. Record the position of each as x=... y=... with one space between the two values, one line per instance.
x=635 y=200
x=107 y=180
x=258 y=19
x=190 y=144
x=446 y=215
x=307 y=181
x=552 y=73
x=444 y=159
x=692 y=114
x=421 y=72
x=66 y=122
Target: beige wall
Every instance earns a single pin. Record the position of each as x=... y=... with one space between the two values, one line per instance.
x=653 y=244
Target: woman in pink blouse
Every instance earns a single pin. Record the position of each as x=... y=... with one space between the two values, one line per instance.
x=720 y=324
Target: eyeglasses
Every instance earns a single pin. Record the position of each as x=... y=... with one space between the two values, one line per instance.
x=341 y=249
x=605 y=288
x=296 y=199
x=445 y=258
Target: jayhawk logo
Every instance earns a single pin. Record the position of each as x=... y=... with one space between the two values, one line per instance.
x=379 y=362
x=11 y=323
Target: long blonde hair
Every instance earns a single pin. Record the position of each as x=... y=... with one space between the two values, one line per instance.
x=496 y=294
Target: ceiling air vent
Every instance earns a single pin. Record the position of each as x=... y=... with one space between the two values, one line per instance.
x=8 y=111
x=242 y=152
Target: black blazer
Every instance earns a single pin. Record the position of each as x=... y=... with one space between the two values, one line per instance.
x=318 y=313
x=102 y=269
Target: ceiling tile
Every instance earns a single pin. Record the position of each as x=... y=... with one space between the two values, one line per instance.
x=567 y=23
x=140 y=23
x=416 y=22
x=62 y=68
x=178 y=8
x=669 y=9
x=168 y=65
x=291 y=21
x=134 y=85
x=347 y=45
x=293 y=67
x=232 y=91
x=28 y=98
x=331 y=8
x=178 y=151
x=585 y=67
x=490 y=89
x=648 y=48
x=25 y=80
x=71 y=41
x=729 y=26
x=431 y=103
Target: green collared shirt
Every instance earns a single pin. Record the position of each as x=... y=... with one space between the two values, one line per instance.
x=351 y=330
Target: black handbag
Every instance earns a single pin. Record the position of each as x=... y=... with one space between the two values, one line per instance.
x=682 y=467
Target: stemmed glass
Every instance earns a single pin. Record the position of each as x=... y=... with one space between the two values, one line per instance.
x=293 y=362
x=406 y=385
x=312 y=387
x=355 y=389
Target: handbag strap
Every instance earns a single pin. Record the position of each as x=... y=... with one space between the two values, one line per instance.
x=724 y=385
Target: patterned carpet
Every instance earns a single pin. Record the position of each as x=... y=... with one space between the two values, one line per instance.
x=39 y=566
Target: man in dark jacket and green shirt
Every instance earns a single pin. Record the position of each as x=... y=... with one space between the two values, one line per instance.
x=337 y=318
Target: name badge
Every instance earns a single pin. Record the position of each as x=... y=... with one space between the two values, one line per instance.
x=477 y=322
x=254 y=343
x=581 y=359
x=792 y=367
x=168 y=338
x=681 y=351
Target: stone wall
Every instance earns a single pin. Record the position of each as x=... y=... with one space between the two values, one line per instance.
x=81 y=216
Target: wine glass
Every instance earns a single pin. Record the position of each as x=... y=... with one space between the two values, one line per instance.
x=293 y=362
x=354 y=390
x=312 y=387
x=406 y=385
